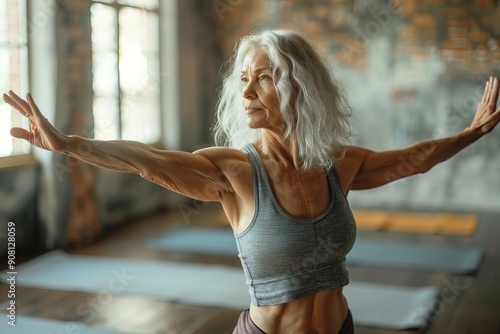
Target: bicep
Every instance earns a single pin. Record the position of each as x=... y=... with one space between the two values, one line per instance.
x=190 y=174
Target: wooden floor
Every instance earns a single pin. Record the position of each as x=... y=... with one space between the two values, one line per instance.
x=472 y=308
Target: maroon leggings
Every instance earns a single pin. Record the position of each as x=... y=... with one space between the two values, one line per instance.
x=246 y=326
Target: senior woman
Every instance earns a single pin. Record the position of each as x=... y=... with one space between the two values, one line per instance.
x=283 y=178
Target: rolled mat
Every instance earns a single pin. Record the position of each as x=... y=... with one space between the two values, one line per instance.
x=413 y=222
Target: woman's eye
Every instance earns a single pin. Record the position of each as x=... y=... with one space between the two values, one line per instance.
x=243 y=79
x=264 y=77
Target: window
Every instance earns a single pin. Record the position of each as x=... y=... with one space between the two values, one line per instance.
x=126 y=70
x=13 y=72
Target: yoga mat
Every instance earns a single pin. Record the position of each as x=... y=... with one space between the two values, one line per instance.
x=413 y=222
x=210 y=285
x=202 y=285
x=407 y=222
x=31 y=325
x=457 y=260
x=217 y=241
x=392 y=307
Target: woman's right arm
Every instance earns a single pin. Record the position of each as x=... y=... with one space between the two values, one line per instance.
x=190 y=174
x=366 y=169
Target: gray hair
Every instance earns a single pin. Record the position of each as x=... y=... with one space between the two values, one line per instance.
x=313 y=105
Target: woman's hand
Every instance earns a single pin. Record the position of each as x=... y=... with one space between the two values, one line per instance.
x=42 y=133
x=487 y=117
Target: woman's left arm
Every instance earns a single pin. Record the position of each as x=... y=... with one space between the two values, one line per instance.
x=374 y=169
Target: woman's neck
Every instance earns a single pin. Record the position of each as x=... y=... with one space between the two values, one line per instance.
x=281 y=151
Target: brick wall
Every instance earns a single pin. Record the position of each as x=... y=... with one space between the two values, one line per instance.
x=465 y=33
x=74 y=98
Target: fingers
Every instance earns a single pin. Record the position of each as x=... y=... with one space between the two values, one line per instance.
x=17 y=103
x=490 y=96
x=26 y=108
x=494 y=92
x=486 y=91
x=33 y=106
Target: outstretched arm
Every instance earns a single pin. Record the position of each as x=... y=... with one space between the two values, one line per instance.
x=191 y=174
x=372 y=169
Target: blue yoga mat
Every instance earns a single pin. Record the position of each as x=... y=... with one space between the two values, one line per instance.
x=30 y=325
x=196 y=240
x=211 y=285
x=457 y=260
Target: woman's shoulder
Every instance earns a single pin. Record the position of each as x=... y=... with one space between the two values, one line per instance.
x=222 y=152
x=224 y=157
x=351 y=159
x=353 y=153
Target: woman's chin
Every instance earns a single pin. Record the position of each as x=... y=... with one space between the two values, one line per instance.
x=253 y=125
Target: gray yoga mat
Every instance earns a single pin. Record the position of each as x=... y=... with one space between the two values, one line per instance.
x=457 y=260
x=31 y=325
x=216 y=241
x=210 y=285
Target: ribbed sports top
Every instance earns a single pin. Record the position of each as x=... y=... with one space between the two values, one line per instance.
x=285 y=258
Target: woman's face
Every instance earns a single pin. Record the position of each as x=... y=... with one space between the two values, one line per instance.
x=260 y=98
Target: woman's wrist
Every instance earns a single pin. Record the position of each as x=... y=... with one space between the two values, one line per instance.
x=70 y=144
x=471 y=133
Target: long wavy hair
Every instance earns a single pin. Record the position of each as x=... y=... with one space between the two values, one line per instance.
x=313 y=104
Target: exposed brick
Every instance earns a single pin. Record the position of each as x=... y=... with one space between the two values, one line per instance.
x=457 y=28
x=79 y=5
x=457 y=44
x=454 y=23
x=73 y=62
x=487 y=20
x=479 y=36
x=344 y=38
x=434 y=2
x=408 y=7
x=485 y=3
x=408 y=32
x=321 y=11
x=347 y=5
x=403 y=95
x=452 y=33
x=340 y=19
x=424 y=21
x=353 y=60
x=454 y=12
x=496 y=56
x=410 y=50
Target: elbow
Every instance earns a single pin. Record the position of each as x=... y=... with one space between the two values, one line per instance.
x=148 y=176
x=425 y=167
x=148 y=166
x=149 y=171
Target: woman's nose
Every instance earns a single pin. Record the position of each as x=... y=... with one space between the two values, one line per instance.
x=248 y=91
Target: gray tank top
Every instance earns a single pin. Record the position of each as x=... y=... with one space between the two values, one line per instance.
x=285 y=258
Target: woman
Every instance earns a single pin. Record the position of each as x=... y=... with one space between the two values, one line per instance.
x=283 y=183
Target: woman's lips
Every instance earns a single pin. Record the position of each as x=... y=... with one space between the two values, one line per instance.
x=252 y=110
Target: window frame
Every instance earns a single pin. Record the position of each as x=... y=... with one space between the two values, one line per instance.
x=157 y=10
x=22 y=43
